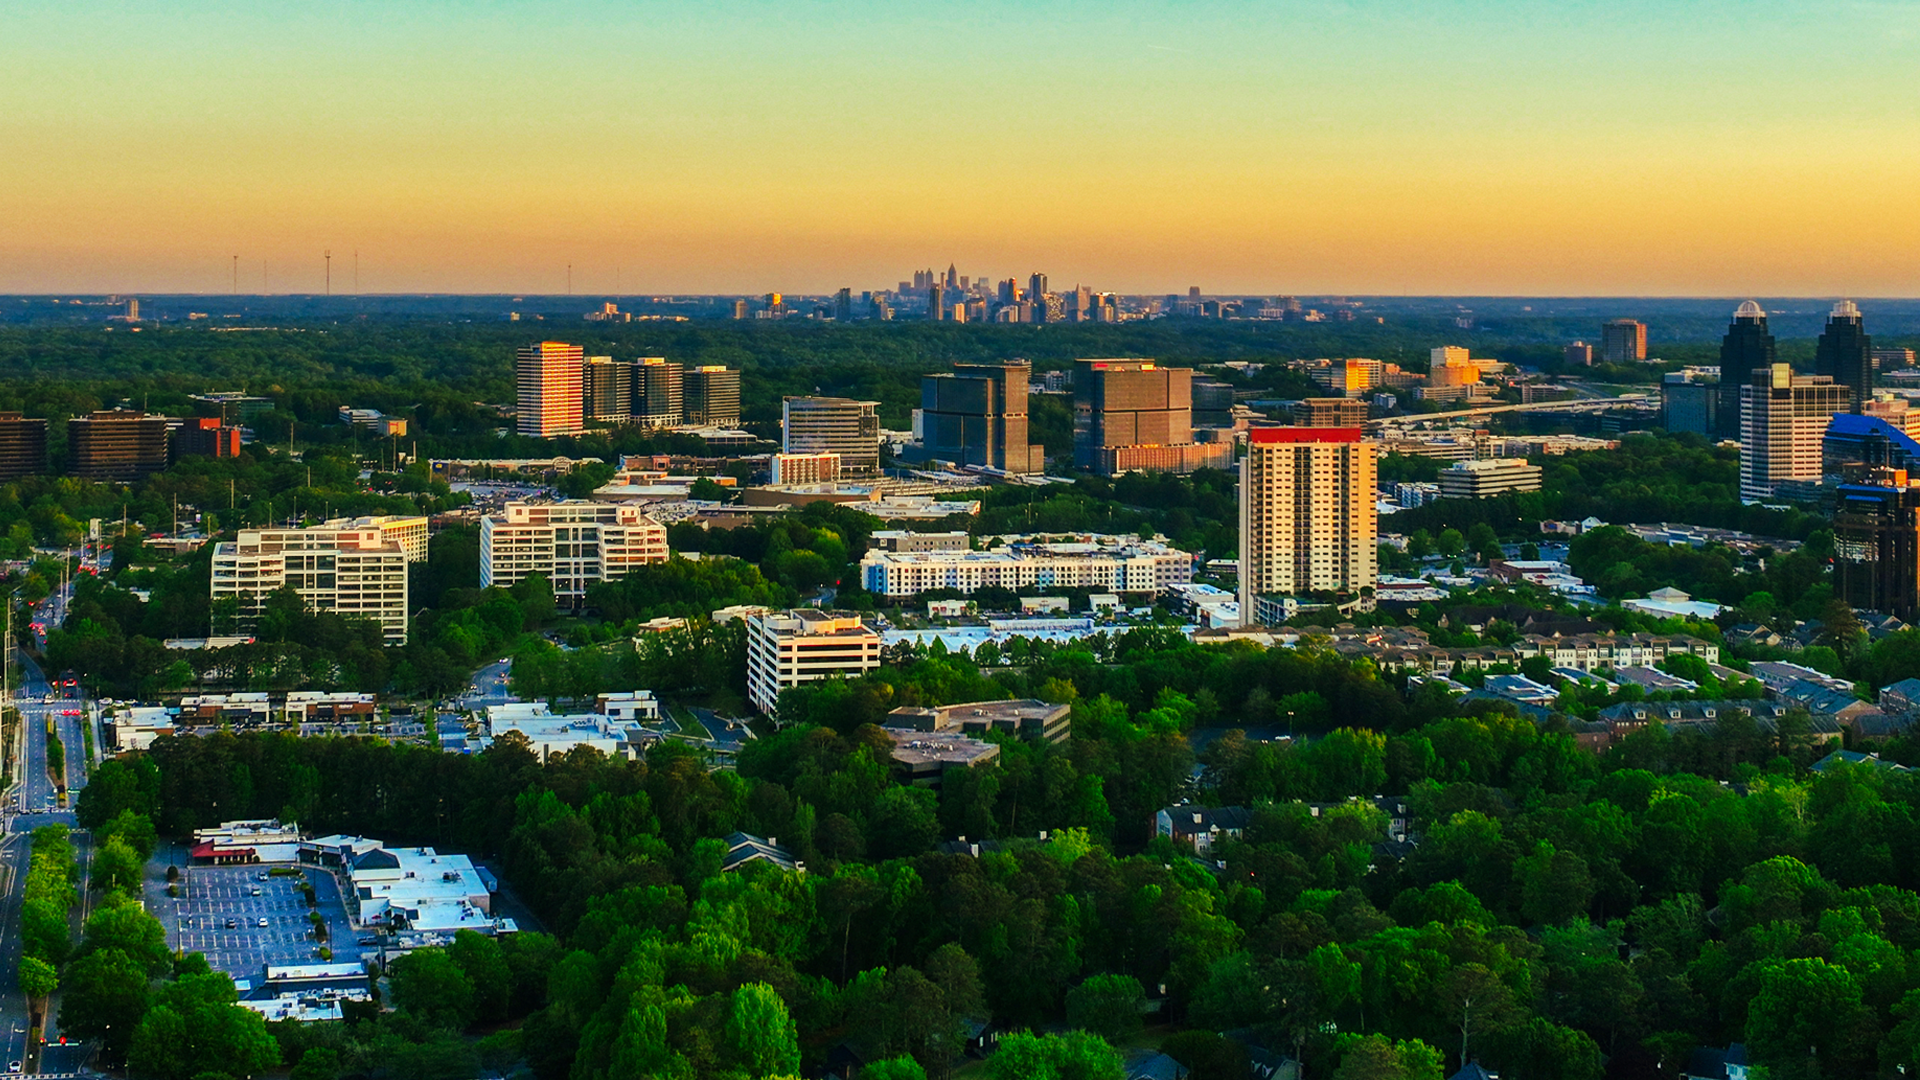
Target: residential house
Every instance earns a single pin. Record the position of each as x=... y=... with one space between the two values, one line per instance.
x=1713 y=1063
x=1201 y=827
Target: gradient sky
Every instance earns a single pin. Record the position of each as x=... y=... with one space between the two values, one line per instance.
x=1412 y=146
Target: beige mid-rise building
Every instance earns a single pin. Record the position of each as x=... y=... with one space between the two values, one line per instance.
x=787 y=648
x=574 y=543
x=1783 y=420
x=354 y=569
x=1308 y=522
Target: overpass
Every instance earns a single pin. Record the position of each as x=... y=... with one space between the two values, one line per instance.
x=1587 y=405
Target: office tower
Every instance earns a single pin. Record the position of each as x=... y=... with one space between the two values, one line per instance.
x=1888 y=359
x=740 y=308
x=1578 y=354
x=843 y=306
x=116 y=444
x=1329 y=412
x=1137 y=416
x=354 y=569
x=1691 y=401
x=1746 y=348
x=936 y=302
x=712 y=395
x=550 y=377
x=978 y=416
x=659 y=392
x=788 y=648
x=1036 y=286
x=1351 y=377
x=1308 y=522
x=817 y=425
x=607 y=390
x=23 y=446
x=1623 y=341
x=1193 y=292
x=205 y=437
x=1845 y=353
x=1081 y=308
x=1212 y=404
x=1783 y=418
x=953 y=278
x=575 y=544
x=776 y=304
x=133 y=310
x=1009 y=292
x=1876 y=543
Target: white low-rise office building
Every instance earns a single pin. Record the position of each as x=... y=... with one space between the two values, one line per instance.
x=575 y=544
x=787 y=648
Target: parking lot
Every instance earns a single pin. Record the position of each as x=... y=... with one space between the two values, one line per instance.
x=245 y=919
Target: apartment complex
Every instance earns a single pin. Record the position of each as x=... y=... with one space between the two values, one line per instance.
x=843 y=426
x=550 y=379
x=23 y=446
x=978 y=416
x=788 y=648
x=822 y=468
x=1106 y=564
x=116 y=444
x=355 y=569
x=1308 y=522
x=574 y=543
x=1783 y=418
x=1489 y=477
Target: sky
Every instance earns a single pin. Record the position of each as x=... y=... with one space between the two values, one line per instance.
x=1500 y=147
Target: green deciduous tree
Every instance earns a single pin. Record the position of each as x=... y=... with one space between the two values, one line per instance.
x=760 y=1033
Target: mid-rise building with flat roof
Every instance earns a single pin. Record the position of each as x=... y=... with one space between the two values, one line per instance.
x=1135 y=415
x=1783 y=420
x=1623 y=341
x=1029 y=718
x=978 y=416
x=1308 y=518
x=574 y=544
x=788 y=648
x=902 y=540
x=23 y=446
x=712 y=394
x=116 y=444
x=206 y=436
x=354 y=571
x=814 y=425
x=607 y=390
x=1128 y=566
x=1488 y=477
x=549 y=378
x=659 y=392
x=821 y=468
x=1329 y=412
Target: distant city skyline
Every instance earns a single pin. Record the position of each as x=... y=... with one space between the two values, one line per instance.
x=1363 y=147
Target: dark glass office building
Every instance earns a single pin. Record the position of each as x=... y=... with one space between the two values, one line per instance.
x=1845 y=353
x=1747 y=348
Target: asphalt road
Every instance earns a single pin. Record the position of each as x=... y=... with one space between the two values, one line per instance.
x=32 y=803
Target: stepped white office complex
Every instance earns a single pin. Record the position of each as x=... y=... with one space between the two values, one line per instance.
x=574 y=543
x=356 y=568
x=1105 y=563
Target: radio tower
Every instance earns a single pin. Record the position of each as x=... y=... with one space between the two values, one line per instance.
x=328 y=255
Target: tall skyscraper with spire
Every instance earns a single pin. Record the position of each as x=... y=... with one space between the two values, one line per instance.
x=1845 y=353
x=1745 y=349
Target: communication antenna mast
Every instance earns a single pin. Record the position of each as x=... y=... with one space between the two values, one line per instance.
x=236 y=275
x=569 y=279
x=356 y=271
x=328 y=255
